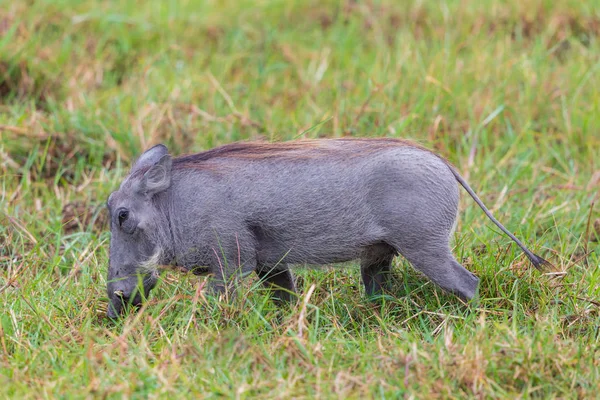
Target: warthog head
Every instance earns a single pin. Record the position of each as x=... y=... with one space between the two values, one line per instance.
x=137 y=225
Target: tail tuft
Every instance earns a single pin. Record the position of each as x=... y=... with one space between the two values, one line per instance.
x=539 y=263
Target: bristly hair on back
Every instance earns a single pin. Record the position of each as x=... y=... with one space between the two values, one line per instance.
x=297 y=149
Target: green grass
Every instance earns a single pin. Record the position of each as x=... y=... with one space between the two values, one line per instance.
x=509 y=91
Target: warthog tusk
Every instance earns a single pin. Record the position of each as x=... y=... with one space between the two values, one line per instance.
x=119 y=293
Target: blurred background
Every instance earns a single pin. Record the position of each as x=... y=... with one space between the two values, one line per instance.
x=85 y=84
x=498 y=87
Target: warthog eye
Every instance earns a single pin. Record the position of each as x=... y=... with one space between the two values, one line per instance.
x=123 y=215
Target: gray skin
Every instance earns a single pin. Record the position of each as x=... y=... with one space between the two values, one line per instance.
x=263 y=208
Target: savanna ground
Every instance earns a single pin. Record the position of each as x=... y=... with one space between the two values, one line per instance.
x=509 y=91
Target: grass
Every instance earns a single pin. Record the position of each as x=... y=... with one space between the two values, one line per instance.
x=507 y=90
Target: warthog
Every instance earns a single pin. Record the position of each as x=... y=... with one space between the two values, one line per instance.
x=262 y=207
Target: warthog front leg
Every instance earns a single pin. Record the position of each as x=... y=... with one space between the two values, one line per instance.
x=281 y=280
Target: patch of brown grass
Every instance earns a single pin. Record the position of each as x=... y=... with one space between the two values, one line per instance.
x=20 y=81
x=78 y=216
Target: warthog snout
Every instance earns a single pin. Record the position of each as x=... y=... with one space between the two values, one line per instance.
x=128 y=291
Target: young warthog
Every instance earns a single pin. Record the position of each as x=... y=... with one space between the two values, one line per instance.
x=261 y=207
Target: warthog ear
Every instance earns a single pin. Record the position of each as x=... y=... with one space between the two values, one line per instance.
x=150 y=157
x=158 y=177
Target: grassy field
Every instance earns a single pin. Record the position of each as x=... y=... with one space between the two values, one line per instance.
x=509 y=91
